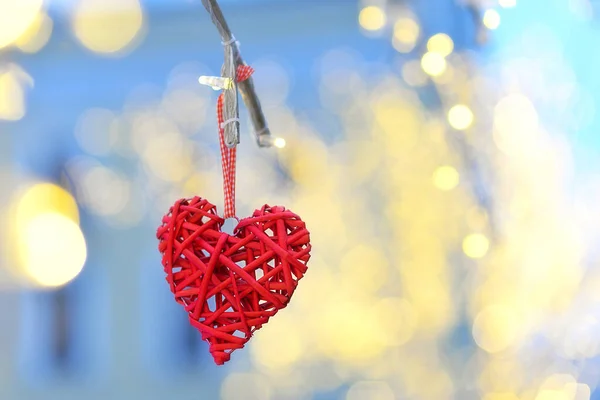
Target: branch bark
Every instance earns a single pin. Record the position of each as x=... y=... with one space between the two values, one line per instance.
x=233 y=58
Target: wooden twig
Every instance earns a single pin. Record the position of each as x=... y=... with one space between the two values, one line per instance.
x=233 y=58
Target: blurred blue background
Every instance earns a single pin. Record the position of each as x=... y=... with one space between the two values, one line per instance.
x=463 y=132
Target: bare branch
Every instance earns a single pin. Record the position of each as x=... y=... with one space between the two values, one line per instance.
x=233 y=58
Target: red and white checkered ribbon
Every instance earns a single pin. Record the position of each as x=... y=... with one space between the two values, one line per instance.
x=228 y=155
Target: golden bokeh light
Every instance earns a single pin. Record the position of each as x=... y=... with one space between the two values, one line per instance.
x=496 y=328
x=352 y=266
x=500 y=396
x=253 y=386
x=477 y=218
x=433 y=64
x=104 y=192
x=279 y=143
x=440 y=43
x=37 y=35
x=45 y=198
x=16 y=17
x=346 y=329
x=476 y=245
x=301 y=170
x=158 y=156
x=446 y=178
x=446 y=78
x=553 y=395
x=400 y=329
x=501 y=377
x=491 y=19
x=562 y=386
x=413 y=74
x=515 y=111
x=108 y=27
x=406 y=33
x=372 y=390
x=279 y=347
x=460 y=117
x=372 y=18
x=52 y=249
x=49 y=247
x=516 y=124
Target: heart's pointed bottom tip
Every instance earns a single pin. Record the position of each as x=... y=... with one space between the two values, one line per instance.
x=221 y=357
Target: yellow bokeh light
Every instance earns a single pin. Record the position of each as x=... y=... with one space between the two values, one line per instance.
x=278 y=347
x=447 y=77
x=507 y=3
x=194 y=184
x=406 y=33
x=501 y=378
x=495 y=328
x=433 y=64
x=372 y=18
x=354 y=272
x=446 y=178
x=476 y=245
x=460 y=117
x=477 y=218
x=49 y=246
x=516 y=124
x=515 y=112
x=36 y=36
x=372 y=390
x=104 y=191
x=500 y=396
x=348 y=328
x=279 y=143
x=253 y=387
x=157 y=155
x=440 y=43
x=45 y=198
x=413 y=74
x=301 y=170
x=12 y=97
x=16 y=16
x=491 y=19
x=108 y=27
x=578 y=391
x=52 y=249
x=553 y=395
x=562 y=386
x=400 y=329
x=584 y=391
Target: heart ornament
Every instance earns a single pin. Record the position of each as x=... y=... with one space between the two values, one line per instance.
x=230 y=285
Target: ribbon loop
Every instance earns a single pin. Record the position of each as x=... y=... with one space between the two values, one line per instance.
x=228 y=155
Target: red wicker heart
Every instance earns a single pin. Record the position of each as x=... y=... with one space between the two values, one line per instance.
x=231 y=285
